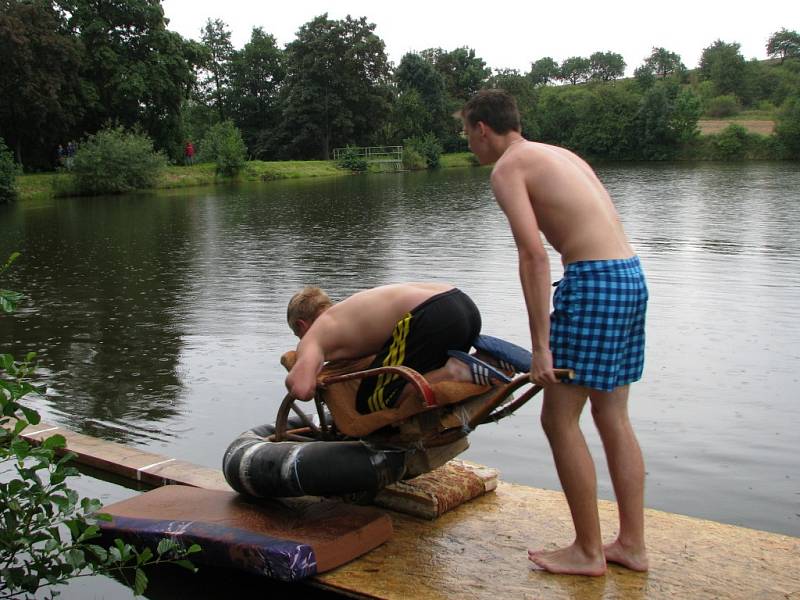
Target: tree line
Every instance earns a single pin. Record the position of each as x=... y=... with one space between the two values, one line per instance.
x=73 y=67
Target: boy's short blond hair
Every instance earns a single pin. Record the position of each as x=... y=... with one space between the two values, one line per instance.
x=306 y=305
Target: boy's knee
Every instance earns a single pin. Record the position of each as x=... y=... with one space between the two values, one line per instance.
x=554 y=422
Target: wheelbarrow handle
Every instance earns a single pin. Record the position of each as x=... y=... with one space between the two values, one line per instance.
x=564 y=373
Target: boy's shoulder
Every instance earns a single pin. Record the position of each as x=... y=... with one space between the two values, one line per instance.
x=528 y=159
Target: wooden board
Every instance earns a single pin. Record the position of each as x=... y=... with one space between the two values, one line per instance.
x=285 y=540
x=131 y=463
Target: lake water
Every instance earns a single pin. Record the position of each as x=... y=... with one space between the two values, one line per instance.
x=160 y=318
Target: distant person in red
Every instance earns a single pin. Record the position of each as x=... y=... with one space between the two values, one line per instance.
x=188 y=153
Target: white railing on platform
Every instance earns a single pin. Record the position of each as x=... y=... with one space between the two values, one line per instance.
x=372 y=153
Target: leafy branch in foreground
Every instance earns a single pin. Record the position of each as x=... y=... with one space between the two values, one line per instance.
x=48 y=533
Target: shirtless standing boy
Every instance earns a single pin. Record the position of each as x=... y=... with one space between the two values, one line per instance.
x=596 y=328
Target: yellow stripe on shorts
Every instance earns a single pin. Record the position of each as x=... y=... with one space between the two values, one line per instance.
x=395 y=357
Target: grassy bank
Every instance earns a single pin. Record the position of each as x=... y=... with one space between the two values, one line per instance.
x=254 y=170
x=712 y=144
x=50 y=185
x=458 y=159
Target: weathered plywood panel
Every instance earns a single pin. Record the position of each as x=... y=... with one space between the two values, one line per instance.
x=479 y=550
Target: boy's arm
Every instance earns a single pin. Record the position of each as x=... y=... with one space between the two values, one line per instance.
x=326 y=339
x=302 y=379
x=509 y=187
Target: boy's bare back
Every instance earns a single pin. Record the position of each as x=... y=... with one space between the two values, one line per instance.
x=359 y=325
x=572 y=208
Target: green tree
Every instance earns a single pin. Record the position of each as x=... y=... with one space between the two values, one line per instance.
x=784 y=44
x=515 y=83
x=607 y=66
x=605 y=123
x=557 y=114
x=216 y=38
x=787 y=128
x=664 y=63
x=644 y=77
x=41 y=97
x=134 y=71
x=410 y=116
x=762 y=81
x=575 y=69
x=421 y=105
x=666 y=120
x=257 y=74
x=337 y=86
x=686 y=110
x=723 y=106
x=543 y=71
x=724 y=65
x=463 y=72
x=414 y=72
x=524 y=91
x=8 y=174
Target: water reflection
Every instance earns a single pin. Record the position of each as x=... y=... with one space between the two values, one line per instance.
x=101 y=287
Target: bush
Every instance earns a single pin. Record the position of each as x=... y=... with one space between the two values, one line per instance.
x=723 y=106
x=413 y=160
x=765 y=106
x=427 y=147
x=8 y=174
x=733 y=142
x=350 y=159
x=114 y=161
x=223 y=145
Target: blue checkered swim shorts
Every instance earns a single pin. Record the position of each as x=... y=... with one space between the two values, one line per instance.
x=597 y=324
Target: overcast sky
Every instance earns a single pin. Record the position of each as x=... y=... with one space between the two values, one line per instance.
x=507 y=37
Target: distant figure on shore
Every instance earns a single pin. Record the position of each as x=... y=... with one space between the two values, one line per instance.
x=596 y=328
x=60 y=156
x=188 y=153
x=72 y=148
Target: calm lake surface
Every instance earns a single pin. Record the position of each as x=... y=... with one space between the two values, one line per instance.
x=160 y=318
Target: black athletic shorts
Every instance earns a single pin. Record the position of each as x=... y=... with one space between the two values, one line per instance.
x=420 y=340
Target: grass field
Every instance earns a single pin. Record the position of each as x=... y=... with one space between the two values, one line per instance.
x=714 y=126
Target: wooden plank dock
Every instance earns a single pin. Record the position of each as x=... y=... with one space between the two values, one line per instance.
x=478 y=550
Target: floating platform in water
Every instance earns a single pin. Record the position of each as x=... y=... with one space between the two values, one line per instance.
x=478 y=549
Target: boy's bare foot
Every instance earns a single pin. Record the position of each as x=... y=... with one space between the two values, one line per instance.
x=571 y=560
x=634 y=559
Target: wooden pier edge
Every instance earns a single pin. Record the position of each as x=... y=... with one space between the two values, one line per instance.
x=478 y=550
